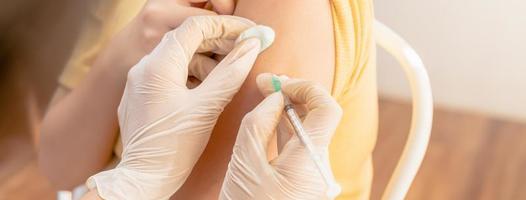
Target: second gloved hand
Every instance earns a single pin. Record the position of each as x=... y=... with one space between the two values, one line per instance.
x=165 y=126
x=293 y=174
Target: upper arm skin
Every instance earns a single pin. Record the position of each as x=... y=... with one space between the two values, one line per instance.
x=304 y=44
x=303 y=48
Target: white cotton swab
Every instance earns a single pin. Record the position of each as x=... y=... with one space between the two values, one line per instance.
x=265 y=35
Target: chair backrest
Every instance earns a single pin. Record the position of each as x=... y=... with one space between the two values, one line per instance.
x=422 y=114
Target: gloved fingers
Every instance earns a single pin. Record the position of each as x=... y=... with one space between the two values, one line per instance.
x=264 y=82
x=249 y=171
x=228 y=76
x=192 y=83
x=265 y=85
x=218 y=46
x=285 y=129
x=219 y=57
x=299 y=91
x=294 y=161
x=201 y=66
x=296 y=166
x=196 y=31
x=173 y=54
x=284 y=133
x=322 y=112
x=258 y=127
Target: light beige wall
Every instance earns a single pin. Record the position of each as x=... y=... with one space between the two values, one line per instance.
x=475 y=52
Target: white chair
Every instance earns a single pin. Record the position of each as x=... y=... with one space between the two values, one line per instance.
x=422 y=116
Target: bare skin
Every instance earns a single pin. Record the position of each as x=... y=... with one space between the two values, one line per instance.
x=304 y=48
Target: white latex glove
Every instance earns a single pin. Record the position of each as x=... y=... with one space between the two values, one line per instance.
x=293 y=174
x=165 y=126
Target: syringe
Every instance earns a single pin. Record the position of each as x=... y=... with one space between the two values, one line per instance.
x=333 y=188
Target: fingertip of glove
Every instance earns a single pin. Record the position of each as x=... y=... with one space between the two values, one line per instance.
x=271 y=104
x=276 y=97
x=252 y=43
x=264 y=78
x=264 y=81
x=247 y=49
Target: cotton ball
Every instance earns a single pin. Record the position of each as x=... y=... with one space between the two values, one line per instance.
x=265 y=35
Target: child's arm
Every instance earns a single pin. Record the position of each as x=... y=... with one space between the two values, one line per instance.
x=80 y=128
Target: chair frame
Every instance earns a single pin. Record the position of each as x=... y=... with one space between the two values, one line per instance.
x=422 y=111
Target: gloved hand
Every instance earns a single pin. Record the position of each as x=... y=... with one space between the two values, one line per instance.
x=293 y=174
x=165 y=126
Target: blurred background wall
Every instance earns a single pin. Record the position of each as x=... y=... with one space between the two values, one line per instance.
x=474 y=50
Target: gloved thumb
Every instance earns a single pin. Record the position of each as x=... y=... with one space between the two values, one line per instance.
x=257 y=128
x=228 y=76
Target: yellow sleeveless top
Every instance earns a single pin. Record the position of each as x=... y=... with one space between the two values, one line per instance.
x=354 y=84
x=354 y=88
